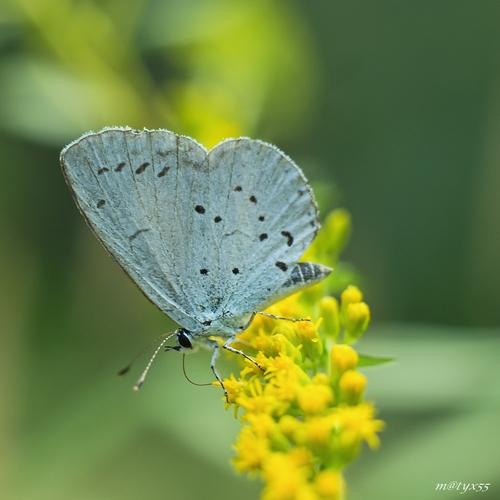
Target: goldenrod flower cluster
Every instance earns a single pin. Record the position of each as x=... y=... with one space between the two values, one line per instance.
x=303 y=415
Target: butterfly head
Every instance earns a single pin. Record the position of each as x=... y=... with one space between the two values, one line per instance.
x=186 y=342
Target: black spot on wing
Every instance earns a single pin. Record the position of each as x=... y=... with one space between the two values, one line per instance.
x=289 y=237
x=204 y=271
x=261 y=218
x=143 y=167
x=217 y=219
x=163 y=171
x=101 y=203
x=236 y=270
x=137 y=233
x=238 y=188
x=120 y=166
x=253 y=199
x=263 y=237
x=200 y=209
x=282 y=266
x=102 y=170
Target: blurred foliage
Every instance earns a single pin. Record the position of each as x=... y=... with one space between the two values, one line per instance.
x=210 y=69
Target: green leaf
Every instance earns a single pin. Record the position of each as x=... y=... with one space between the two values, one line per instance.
x=367 y=360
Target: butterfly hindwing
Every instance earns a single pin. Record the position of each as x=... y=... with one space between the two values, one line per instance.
x=268 y=219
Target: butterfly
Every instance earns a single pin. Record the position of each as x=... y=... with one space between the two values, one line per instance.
x=212 y=238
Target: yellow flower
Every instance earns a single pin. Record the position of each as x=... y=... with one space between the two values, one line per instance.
x=356 y=423
x=251 y=451
x=233 y=387
x=285 y=384
x=329 y=485
x=319 y=430
x=287 y=479
x=262 y=424
x=315 y=398
x=308 y=337
x=290 y=426
x=265 y=427
x=256 y=400
x=280 y=344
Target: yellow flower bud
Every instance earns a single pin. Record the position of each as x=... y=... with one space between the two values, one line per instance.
x=351 y=295
x=289 y=425
x=320 y=378
x=352 y=385
x=329 y=311
x=357 y=319
x=342 y=358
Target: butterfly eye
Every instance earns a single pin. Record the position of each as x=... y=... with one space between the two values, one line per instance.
x=183 y=340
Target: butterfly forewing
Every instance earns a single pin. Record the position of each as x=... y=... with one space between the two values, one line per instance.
x=119 y=194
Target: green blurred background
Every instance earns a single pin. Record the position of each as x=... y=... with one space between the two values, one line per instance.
x=392 y=109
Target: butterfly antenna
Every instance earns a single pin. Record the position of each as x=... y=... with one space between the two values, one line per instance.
x=140 y=381
x=144 y=351
x=186 y=375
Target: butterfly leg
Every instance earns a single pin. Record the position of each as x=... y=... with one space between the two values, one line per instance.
x=215 y=354
x=267 y=315
x=237 y=351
